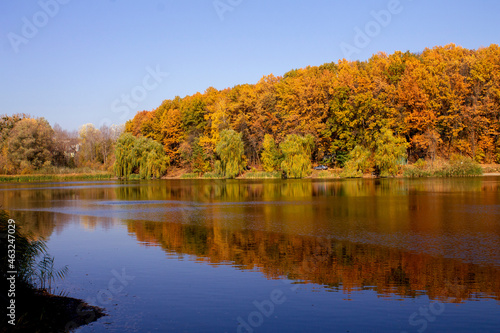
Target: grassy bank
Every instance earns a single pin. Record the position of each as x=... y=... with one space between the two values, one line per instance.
x=55 y=177
x=52 y=173
x=261 y=175
x=326 y=174
x=459 y=167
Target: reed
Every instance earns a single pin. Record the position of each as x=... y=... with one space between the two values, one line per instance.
x=35 y=303
x=458 y=166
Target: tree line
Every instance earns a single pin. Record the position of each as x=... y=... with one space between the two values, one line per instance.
x=29 y=144
x=363 y=115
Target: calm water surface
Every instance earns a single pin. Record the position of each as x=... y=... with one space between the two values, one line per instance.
x=274 y=256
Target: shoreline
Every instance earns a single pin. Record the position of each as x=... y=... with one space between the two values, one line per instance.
x=489 y=174
x=181 y=174
x=59 y=313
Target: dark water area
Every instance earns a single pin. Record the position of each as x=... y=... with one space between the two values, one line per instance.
x=389 y=255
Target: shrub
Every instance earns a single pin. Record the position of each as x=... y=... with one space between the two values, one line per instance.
x=461 y=166
x=414 y=172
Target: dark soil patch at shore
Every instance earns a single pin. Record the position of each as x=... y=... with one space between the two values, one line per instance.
x=39 y=311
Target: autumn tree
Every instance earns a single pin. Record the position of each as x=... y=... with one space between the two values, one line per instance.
x=135 y=125
x=30 y=144
x=106 y=140
x=65 y=147
x=89 y=145
x=7 y=123
x=171 y=134
x=442 y=101
x=193 y=157
x=263 y=116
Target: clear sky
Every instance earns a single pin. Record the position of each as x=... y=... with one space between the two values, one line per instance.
x=88 y=61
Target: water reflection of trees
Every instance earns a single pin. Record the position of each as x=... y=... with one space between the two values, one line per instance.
x=382 y=205
x=338 y=265
x=41 y=224
x=256 y=224
x=33 y=205
x=239 y=190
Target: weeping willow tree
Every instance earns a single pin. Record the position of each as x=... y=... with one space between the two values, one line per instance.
x=142 y=154
x=155 y=161
x=358 y=162
x=297 y=151
x=124 y=158
x=270 y=155
x=390 y=153
x=230 y=150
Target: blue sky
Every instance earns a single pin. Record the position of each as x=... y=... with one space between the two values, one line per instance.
x=75 y=62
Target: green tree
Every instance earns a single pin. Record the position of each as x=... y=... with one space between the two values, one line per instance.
x=297 y=151
x=390 y=153
x=143 y=154
x=124 y=158
x=231 y=151
x=270 y=155
x=150 y=158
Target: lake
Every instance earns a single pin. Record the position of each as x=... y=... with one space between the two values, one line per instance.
x=362 y=255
